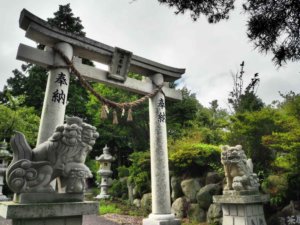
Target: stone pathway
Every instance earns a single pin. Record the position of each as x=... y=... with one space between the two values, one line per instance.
x=109 y=219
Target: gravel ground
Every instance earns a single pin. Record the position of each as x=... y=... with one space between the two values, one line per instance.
x=108 y=219
x=123 y=219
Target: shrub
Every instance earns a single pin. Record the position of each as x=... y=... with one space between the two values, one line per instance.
x=276 y=186
x=94 y=167
x=119 y=189
x=139 y=172
x=123 y=171
x=193 y=159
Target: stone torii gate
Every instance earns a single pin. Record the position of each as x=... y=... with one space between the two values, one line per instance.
x=120 y=61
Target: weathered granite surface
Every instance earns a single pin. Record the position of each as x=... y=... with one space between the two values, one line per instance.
x=63 y=156
x=238 y=169
x=160 y=183
x=190 y=188
x=47 y=213
x=40 y=31
x=5 y=157
x=241 y=202
x=241 y=199
x=12 y=210
x=105 y=172
x=86 y=220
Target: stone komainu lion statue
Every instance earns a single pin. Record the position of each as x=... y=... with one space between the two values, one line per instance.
x=62 y=156
x=238 y=170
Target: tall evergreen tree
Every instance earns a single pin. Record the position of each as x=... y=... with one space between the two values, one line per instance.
x=65 y=20
x=33 y=85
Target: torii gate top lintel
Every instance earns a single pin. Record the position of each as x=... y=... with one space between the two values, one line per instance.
x=42 y=32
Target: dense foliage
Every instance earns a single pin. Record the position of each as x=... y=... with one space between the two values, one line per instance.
x=189 y=157
x=65 y=20
x=13 y=118
x=31 y=87
x=286 y=145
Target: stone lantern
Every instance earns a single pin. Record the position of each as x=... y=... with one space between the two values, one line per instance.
x=105 y=172
x=5 y=157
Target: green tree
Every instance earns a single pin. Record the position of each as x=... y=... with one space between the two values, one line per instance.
x=211 y=123
x=16 y=118
x=248 y=129
x=125 y=136
x=65 y=20
x=139 y=172
x=188 y=114
x=33 y=86
x=180 y=114
x=273 y=26
x=244 y=99
x=219 y=116
x=286 y=144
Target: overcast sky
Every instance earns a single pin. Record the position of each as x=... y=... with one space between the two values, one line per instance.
x=210 y=53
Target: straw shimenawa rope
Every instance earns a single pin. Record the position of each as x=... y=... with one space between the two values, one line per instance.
x=106 y=102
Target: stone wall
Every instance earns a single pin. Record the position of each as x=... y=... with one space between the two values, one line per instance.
x=192 y=198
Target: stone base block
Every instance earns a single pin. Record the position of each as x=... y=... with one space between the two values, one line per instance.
x=67 y=213
x=237 y=220
x=28 y=198
x=241 y=199
x=161 y=219
x=242 y=210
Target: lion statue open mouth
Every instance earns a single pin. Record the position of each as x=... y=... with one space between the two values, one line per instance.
x=238 y=170
x=61 y=156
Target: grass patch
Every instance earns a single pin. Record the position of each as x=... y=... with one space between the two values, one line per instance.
x=110 y=208
x=120 y=207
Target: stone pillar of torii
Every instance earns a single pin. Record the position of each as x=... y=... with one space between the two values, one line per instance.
x=55 y=100
x=121 y=62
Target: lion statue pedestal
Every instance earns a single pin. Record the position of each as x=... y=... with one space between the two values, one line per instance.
x=241 y=202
